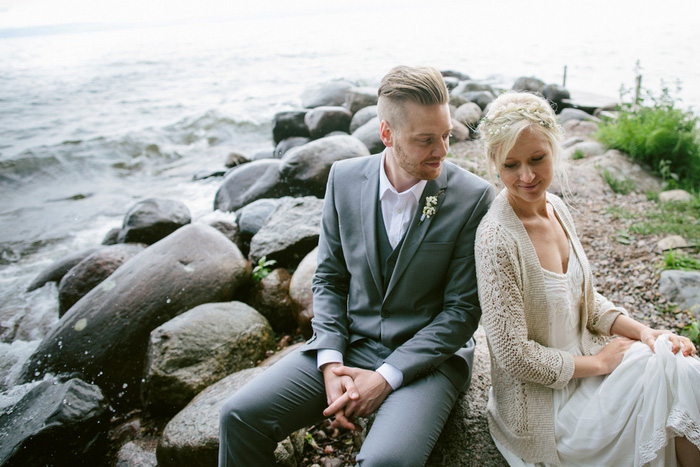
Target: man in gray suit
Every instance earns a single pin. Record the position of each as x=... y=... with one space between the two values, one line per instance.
x=395 y=299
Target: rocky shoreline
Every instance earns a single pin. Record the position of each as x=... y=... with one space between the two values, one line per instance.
x=164 y=320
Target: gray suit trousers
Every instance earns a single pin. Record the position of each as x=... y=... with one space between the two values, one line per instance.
x=291 y=395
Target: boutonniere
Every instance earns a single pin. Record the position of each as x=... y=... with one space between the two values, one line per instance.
x=430 y=208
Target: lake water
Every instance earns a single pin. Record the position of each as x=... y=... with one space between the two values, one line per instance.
x=93 y=121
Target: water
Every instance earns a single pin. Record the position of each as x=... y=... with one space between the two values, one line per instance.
x=92 y=122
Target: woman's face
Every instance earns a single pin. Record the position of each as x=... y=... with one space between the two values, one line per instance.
x=528 y=168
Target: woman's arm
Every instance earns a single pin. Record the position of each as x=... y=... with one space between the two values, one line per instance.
x=627 y=327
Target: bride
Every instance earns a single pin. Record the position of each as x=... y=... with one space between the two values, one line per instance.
x=564 y=393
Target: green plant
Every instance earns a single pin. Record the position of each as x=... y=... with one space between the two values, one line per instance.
x=618 y=185
x=658 y=134
x=672 y=218
x=262 y=269
x=692 y=331
x=578 y=154
x=678 y=260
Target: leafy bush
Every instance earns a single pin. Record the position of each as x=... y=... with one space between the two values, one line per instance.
x=660 y=135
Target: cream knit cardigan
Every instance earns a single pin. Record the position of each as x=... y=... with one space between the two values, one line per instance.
x=524 y=369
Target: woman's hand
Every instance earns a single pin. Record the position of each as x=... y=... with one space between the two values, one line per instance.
x=611 y=355
x=648 y=336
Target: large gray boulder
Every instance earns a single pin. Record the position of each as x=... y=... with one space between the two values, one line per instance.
x=526 y=83
x=252 y=217
x=621 y=167
x=133 y=454
x=305 y=168
x=557 y=95
x=289 y=143
x=683 y=288
x=331 y=93
x=56 y=423
x=152 y=219
x=192 y=436
x=465 y=440
x=362 y=116
x=85 y=275
x=468 y=114
x=327 y=119
x=361 y=97
x=290 y=233
x=370 y=136
x=56 y=271
x=300 y=291
x=289 y=123
x=198 y=348
x=270 y=297
x=105 y=334
x=249 y=182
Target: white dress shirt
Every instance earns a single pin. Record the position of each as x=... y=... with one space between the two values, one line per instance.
x=397 y=211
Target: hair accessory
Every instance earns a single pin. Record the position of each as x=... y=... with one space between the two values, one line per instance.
x=522 y=111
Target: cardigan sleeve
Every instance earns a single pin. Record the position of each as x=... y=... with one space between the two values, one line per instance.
x=504 y=316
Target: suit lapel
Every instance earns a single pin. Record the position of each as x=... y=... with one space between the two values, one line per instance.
x=417 y=229
x=369 y=194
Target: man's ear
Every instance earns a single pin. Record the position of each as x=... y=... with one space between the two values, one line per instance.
x=386 y=134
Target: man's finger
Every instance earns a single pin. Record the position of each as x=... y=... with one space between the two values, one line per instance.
x=337 y=406
x=341 y=420
x=343 y=370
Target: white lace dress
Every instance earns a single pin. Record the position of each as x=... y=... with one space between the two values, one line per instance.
x=629 y=417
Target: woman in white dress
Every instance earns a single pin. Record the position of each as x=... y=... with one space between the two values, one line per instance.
x=563 y=392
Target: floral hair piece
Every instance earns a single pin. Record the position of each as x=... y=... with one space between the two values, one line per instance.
x=522 y=111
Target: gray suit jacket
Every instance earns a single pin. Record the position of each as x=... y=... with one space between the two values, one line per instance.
x=430 y=307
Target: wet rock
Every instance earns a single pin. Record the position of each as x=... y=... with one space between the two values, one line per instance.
x=525 y=83
x=250 y=182
x=224 y=222
x=362 y=116
x=105 y=334
x=135 y=455
x=330 y=93
x=300 y=291
x=153 y=219
x=55 y=423
x=198 y=348
x=683 y=288
x=252 y=217
x=360 y=97
x=111 y=237
x=370 y=137
x=270 y=297
x=289 y=143
x=192 y=436
x=465 y=439
x=323 y=120
x=84 y=276
x=289 y=123
x=58 y=269
x=675 y=196
x=305 y=168
x=290 y=233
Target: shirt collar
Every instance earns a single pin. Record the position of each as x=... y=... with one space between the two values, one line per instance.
x=385 y=185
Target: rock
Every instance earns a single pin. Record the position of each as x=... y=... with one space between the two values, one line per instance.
x=582 y=128
x=556 y=95
x=683 y=288
x=360 y=97
x=268 y=153
x=235 y=159
x=471 y=86
x=270 y=297
x=370 y=137
x=362 y=116
x=584 y=149
x=224 y=222
x=480 y=98
x=134 y=455
x=250 y=182
x=450 y=82
x=58 y=269
x=56 y=423
x=198 y=348
x=290 y=233
x=289 y=143
x=323 y=120
x=288 y=124
x=111 y=237
x=454 y=74
x=300 y=291
x=305 y=169
x=583 y=179
x=192 y=436
x=675 y=196
x=468 y=114
x=525 y=83
x=576 y=114
x=623 y=168
x=92 y=270
x=465 y=439
x=331 y=93
x=253 y=216
x=153 y=219
x=105 y=334
x=671 y=242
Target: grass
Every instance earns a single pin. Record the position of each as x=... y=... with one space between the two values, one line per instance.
x=660 y=135
x=618 y=185
x=678 y=260
x=673 y=219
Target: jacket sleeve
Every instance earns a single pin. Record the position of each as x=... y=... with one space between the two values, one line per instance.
x=505 y=317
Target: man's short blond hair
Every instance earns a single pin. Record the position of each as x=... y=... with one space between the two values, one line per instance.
x=422 y=85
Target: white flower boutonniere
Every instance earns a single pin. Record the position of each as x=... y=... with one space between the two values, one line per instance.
x=430 y=206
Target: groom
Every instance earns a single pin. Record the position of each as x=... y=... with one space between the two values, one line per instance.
x=395 y=299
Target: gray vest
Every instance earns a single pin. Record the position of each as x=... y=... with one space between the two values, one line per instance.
x=387 y=255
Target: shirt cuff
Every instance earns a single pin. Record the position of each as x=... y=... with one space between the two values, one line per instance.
x=392 y=375
x=324 y=356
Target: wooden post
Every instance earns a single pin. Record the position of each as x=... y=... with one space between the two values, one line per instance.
x=638 y=88
x=564 y=81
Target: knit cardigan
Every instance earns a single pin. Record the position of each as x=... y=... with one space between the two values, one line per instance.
x=524 y=369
